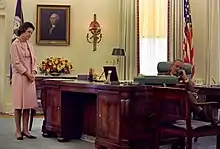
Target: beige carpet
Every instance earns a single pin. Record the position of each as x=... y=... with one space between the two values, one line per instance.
x=8 y=140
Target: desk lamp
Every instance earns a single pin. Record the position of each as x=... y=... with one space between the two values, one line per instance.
x=120 y=52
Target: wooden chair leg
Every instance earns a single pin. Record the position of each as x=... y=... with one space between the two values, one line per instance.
x=189 y=143
x=182 y=143
x=157 y=138
x=218 y=142
x=195 y=139
x=33 y=112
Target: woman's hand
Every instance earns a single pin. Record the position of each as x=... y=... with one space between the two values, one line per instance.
x=30 y=77
x=34 y=72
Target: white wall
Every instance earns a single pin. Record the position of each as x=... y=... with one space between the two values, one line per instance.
x=200 y=35
x=2 y=59
x=206 y=24
x=80 y=52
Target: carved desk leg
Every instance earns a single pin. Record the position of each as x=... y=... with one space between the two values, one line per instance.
x=100 y=147
x=45 y=134
x=112 y=126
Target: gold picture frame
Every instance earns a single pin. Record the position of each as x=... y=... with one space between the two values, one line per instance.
x=53 y=25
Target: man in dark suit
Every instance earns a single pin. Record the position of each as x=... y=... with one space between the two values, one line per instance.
x=178 y=71
x=55 y=30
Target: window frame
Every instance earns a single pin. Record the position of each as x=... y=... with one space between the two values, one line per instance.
x=138 y=33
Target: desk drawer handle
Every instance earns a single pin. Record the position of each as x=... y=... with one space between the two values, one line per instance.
x=58 y=108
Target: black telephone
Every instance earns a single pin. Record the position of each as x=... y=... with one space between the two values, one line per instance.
x=180 y=73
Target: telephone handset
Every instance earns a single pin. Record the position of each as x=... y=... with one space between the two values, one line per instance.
x=180 y=72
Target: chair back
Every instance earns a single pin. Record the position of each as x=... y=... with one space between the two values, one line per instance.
x=171 y=105
x=164 y=67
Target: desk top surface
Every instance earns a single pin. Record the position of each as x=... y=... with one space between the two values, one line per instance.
x=60 y=76
x=214 y=86
x=74 y=83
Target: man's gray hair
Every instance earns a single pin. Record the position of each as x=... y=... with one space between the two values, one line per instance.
x=56 y=15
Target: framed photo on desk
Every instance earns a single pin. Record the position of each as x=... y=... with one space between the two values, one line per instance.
x=53 y=25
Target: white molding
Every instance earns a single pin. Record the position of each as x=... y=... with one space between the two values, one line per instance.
x=2 y=4
x=2 y=14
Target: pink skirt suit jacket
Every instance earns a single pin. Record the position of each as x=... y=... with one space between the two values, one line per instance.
x=23 y=59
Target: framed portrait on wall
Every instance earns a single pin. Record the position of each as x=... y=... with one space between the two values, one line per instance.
x=53 y=25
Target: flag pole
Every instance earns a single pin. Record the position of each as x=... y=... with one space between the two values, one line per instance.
x=18 y=20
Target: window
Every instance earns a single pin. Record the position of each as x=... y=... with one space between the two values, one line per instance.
x=153 y=34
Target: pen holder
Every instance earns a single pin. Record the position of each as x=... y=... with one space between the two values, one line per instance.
x=108 y=80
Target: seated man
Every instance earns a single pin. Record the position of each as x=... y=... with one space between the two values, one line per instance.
x=178 y=71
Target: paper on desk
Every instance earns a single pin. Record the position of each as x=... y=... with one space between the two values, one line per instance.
x=60 y=79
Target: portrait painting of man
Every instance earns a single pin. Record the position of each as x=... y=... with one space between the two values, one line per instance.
x=53 y=24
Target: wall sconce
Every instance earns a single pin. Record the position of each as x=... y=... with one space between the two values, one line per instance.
x=96 y=33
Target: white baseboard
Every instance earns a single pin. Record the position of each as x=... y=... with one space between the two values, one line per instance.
x=8 y=108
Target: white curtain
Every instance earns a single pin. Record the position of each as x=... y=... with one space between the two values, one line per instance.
x=128 y=40
x=176 y=28
x=153 y=34
x=212 y=67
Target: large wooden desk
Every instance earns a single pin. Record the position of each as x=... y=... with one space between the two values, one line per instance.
x=212 y=93
x=117 y=115
x=39 y=79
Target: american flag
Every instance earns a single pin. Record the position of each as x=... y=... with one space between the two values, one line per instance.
x=18 y=20
x=188 y=49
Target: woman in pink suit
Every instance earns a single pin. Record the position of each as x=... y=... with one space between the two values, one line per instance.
x=23 y=79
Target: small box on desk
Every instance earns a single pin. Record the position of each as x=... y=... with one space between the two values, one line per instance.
x=83 y=77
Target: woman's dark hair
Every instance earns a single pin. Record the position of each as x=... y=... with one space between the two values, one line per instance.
x=23 y=27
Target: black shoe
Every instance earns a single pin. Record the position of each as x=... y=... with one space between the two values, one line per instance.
x=208 y=118
x=28 y=135
x=19 y=138
x=46 y=135
x=215 y=122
